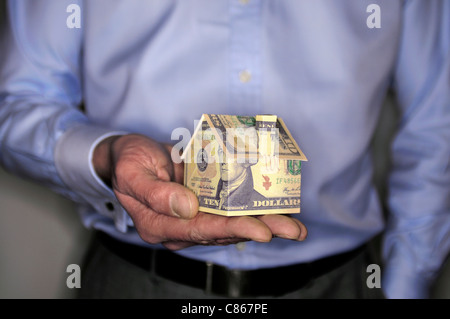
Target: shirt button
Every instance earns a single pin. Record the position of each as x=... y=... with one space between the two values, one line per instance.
x=245 y=76
x=109 y=206
x=240 y=246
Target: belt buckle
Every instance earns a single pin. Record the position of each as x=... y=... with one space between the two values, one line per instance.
x=223 y=281
x=235 y=283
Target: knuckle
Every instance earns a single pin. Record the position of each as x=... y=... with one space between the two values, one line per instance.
x=151 y=195
x=122 y=172
x=149 y=230
x=195 y=235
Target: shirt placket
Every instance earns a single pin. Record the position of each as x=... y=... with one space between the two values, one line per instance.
x=245 y=78
x=245 y=56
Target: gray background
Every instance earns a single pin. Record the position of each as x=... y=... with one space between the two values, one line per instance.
x=41 y=234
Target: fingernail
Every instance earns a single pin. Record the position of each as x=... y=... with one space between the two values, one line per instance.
x=181 y=205
x=287 y=237
x=296 y=237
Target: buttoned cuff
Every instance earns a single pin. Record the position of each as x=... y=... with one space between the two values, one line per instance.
x=73 y=160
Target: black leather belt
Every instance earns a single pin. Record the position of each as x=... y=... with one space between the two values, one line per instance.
x=220 y=280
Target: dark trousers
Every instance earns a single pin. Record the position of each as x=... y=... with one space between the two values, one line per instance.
x=108 y=276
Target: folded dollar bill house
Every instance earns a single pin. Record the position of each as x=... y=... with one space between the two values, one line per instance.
x=243 y=165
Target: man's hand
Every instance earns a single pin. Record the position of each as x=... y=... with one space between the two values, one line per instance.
x=149 y=186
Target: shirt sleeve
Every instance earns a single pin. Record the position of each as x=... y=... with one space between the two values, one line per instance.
x=417 y=239
x=44 y=135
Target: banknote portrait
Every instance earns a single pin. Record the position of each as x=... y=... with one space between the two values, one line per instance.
x=235 y=188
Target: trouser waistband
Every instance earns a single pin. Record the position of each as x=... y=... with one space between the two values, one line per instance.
x=220 y=280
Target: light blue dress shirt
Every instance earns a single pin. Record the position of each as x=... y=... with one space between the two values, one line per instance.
x=153 y=66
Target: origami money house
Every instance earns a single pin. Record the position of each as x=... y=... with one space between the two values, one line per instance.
x=243 y=165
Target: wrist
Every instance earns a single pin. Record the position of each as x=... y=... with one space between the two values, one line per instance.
x=102 y=158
